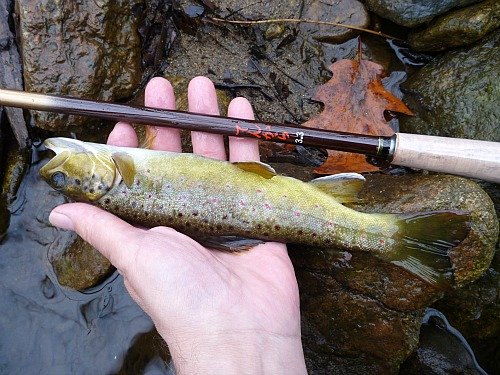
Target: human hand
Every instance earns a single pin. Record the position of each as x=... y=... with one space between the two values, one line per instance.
x=218 y=312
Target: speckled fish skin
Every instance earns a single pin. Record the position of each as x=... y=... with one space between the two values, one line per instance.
x=208 y=198
x=202 y=196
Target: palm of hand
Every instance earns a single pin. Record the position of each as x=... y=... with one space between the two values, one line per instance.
x=249 y=290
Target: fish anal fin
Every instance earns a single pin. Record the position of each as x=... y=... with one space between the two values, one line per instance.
x=344 y=187
x=256 y=167
x=424 y=240
x=126 y=167
x=229 y=243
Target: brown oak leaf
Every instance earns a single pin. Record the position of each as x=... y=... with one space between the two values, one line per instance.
x=354 y=101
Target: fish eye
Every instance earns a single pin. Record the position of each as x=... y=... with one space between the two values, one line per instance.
x=58 y=180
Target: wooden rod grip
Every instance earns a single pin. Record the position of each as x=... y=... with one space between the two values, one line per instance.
x=465 y=157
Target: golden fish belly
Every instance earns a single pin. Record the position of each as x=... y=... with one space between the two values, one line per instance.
x=214 y=199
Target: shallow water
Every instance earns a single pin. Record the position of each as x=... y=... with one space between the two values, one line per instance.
x=46 y=328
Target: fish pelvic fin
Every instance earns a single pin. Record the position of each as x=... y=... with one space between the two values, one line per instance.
x=424 y=241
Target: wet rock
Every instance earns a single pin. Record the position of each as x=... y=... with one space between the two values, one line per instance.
x=475 y=311
x=11 y=71
x=441 y=350
x=84 y=49
x=351 y=12
x=457 y=94
x=362 y=315
x=80 y=266
x=458 y=28
x=14 y=165
x=411 y=13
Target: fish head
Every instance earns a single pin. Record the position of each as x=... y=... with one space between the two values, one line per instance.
x=82 y=171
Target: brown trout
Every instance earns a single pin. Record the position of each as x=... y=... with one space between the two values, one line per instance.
x=222 y=202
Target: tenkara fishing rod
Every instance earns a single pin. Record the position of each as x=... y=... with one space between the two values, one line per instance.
x=477 y=159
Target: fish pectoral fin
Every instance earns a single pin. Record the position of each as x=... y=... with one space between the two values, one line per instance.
x=228 y=243
x=257 y=167
x=344 y=187
x=126 y=167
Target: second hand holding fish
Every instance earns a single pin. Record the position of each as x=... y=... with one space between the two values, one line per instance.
x=218 y=312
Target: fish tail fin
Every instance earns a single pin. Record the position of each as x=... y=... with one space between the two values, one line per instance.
x=424 y=241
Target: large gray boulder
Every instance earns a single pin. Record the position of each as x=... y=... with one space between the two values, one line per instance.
x=411 y=13
x=458 y=28
x=457 y=94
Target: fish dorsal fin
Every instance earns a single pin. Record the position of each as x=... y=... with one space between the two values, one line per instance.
x=126 y=167
x=256 y=167
x=344 y=187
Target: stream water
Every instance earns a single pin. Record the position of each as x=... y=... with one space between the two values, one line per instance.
x=48 y=329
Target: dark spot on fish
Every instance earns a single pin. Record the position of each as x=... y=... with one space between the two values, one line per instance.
x=259 y=226
x=160 y=206
x=219 y=227
x=85 y=187
x=277 y=227
x=327 y=240
x=107 y=201
x=266 y=234
x=146 y=213
x=314 y=234
x=100 y=187
x=211 y=228
x=179 y=214
x=138 y=183
x=133 y=204
x=224 y=217
x=93 y=175
x=300 y=232
x=188 y=224
x=78 y=182
x=91 y=191
x=148 y=170
x=195 y=213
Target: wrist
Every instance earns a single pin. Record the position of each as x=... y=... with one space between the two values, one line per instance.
x=237 y=352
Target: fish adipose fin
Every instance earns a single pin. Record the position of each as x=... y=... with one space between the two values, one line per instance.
x=425 y=239
x=228 y=243
x=256 y=167
x=344 y=187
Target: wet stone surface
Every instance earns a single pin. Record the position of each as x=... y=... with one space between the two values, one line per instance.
x=458 y=28
x=83 y=49
x=441 y=350
x=80 y=266
x=457 y=94
x=411 y=13
x=11 y=70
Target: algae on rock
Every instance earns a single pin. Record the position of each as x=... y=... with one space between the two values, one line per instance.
x=458 y=28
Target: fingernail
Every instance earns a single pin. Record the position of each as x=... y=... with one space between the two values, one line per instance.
x=60 y=220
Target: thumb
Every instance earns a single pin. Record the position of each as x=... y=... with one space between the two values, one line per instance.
x=114 y=238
